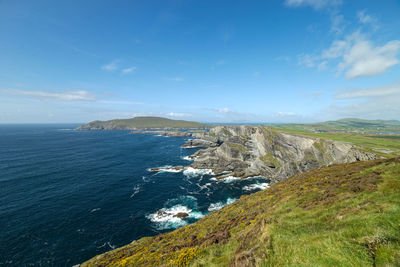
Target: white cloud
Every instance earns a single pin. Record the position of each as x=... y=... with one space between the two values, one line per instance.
x=337 y=23
x=120 y=102
x=392 y=91
x=63 y=96
x=178 y=114
x=110 y=66
x=363 y=59
x=128 y=70
x=364 y=18
x=380 y=102
x=223 y=110
x=316 y=4
x=356 y=56
x=307 y=60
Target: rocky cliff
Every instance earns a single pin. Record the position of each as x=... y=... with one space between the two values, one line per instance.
x=244 y=151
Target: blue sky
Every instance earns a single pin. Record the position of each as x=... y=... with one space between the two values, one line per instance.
x=210 y=61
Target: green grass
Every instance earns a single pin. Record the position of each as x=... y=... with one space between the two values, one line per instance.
x=341 y=215
x=348 y=125
x=383 y=145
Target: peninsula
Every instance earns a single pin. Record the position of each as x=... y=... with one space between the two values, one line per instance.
x=142 y=123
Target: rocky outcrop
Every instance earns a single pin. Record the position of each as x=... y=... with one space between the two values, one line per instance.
x=245 y=151
x=164 y=133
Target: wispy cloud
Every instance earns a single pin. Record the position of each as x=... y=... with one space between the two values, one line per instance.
x=120 y=102
x=221 y=62
x=359 y=57
x=284 y=114
x=365 y=18
x=175 y=79
x=356 y=56
x=316 y=4
x=128 y=70
x=178 y=114
x=282 y=58
x=113 y=65
x=223 y=110
x=392 y=91
x=373 y=102
x=78 y=95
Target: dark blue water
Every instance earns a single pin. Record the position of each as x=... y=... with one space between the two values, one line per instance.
x=68 y=195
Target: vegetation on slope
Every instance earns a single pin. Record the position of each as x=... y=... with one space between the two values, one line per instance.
x=381 y=144
x=341 y=215
x=347 y=125
x=142 y=123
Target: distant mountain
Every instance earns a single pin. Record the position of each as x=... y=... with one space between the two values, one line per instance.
x=141 y=123
x=347 y=125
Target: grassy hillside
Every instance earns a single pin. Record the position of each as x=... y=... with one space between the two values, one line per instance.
x=347 y=125
x=342 y=215
x=384 y=145
x=141 y=123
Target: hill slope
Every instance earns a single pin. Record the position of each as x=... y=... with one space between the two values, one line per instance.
x=141 y=123
x=341 y=215
x=347 y=125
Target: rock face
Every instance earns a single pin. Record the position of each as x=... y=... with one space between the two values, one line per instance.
x=165 y=133
x=245 y=151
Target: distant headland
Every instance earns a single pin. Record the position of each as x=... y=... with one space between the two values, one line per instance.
x=142 y=123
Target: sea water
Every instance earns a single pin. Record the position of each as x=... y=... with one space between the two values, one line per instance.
x=68 y=195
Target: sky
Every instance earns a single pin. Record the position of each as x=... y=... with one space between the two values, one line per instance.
x=211 y=61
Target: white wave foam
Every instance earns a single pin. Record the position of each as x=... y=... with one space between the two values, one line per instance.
x=136 y=189
x=192 y=172
x=252 y=187
x=166 y=217
x=220 y=205
x=187 y=158
x=166 y=168
x=170 y=170
x=230 y=179
x=94 y=210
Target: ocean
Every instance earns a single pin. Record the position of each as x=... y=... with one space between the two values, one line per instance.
x=67 y=195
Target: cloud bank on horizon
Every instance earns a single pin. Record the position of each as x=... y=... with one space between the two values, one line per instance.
x=288 y=61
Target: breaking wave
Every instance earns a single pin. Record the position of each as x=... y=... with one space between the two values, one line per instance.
x=230 y=179
x=176 y=213
x=220 y=205
x=256 y=186
x=192 y=172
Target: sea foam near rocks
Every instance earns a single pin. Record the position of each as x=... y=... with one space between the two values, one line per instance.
x=230 y=179
x=167 y=217
x=256 y=186
x=192 y=172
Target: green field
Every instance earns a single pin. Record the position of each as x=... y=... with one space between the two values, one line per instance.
x=347 y=125
x=358 y=132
